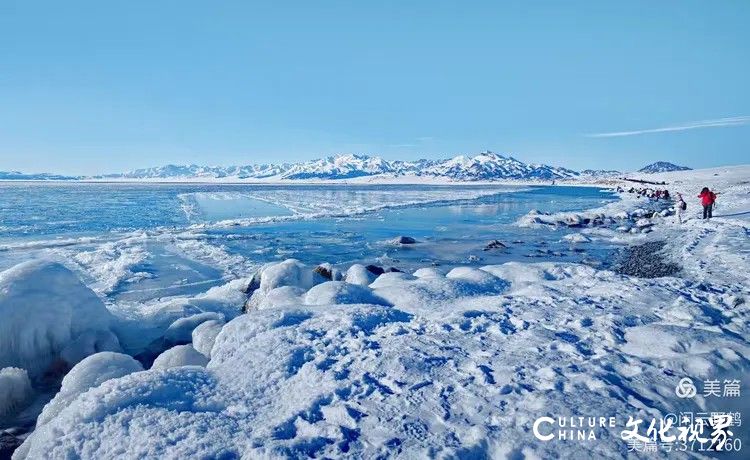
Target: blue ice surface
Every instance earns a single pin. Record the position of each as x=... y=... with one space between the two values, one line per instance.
x=451 y=231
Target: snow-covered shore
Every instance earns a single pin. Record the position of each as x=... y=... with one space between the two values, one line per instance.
x=434 y=363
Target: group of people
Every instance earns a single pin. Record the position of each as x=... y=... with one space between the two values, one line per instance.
x=708 y=199
x=648 y=193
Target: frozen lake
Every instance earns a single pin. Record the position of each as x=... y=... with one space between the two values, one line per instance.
x=135 y=242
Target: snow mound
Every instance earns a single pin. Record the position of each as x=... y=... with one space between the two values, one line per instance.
x=359 y=274
x=89 y=373
x=181 y=355
x=428 y=272
x=411 y=293
x=340 y=292
x=204 y=336
x=15 y=390
x=45 y=310
x=140 y=415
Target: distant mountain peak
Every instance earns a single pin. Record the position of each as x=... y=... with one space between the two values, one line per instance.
x=662 y=166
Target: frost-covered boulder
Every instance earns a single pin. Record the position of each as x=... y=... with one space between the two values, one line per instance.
x=181 y=355
x=15 y=390
x=340 y=292
x=204 y=336
x=359 y=274
x=329 y=272
x=290 y=272
x=45 y=309
x=89 y=373
x=403 y=240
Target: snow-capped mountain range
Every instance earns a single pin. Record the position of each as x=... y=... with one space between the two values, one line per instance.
x=486 y=166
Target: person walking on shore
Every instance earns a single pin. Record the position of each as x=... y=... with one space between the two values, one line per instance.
x=708 y=198
x=680 y=208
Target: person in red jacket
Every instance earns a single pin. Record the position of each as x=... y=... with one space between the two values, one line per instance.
x=708 y=198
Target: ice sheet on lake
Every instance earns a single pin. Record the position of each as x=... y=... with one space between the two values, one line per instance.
x=306 y=203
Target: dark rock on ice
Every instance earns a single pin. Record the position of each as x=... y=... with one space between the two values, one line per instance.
x=324 y=271
x=375 y=270
x=403 y=240
x=253 y=284
x=8 y=444
x=495 y=244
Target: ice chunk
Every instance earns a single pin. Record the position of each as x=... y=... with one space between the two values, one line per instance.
x=204 y=336
x=15 y=390
x=181 y=355
x=45 y=309
x=89 y=373
x=340 y=292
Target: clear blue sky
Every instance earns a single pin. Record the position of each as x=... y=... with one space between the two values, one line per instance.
x=97 y=86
